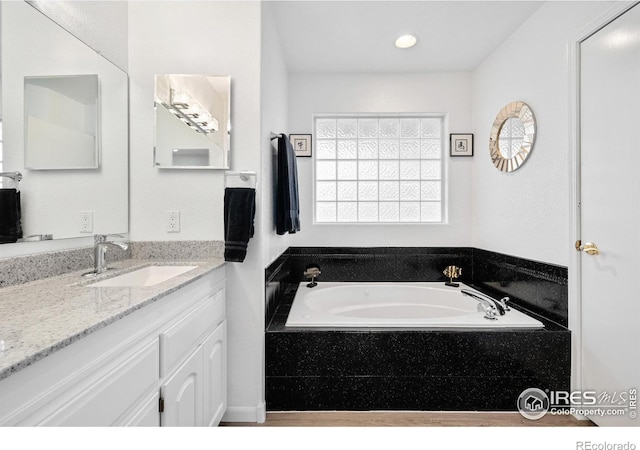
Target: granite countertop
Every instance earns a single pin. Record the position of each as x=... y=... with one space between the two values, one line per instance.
x=43 y=316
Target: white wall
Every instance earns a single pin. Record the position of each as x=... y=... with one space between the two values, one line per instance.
x=311 y=93
x=102 y=25
x=274 y=94
x=228 y=37
x=215 y=38
x=526 y=213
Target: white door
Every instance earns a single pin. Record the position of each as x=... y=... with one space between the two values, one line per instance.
x=610 y=217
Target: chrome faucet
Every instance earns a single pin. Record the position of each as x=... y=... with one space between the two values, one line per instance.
x=492 y=308
x=100 y=245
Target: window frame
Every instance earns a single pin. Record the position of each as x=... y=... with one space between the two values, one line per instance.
x=444 y=166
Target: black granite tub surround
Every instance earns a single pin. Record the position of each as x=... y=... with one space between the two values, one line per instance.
x=538 y=287
x=421 y=368
x=379 y=263
x=411 y=370
x=277 y=276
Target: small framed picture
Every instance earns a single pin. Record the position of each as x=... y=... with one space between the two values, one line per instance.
x=461 y=144
x=301 y=144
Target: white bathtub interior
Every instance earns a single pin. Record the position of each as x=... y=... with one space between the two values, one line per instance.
x=397 y=304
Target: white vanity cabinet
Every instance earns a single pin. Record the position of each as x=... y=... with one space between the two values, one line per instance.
x=164 y=364
x=189 y=396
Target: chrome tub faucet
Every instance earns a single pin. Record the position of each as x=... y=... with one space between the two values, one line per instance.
x=492 y=308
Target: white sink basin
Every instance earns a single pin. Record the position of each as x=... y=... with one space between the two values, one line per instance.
x=147 y=276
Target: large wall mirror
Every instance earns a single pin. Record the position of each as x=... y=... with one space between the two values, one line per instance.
x=512 y=136
x=192 y=121
x=65 y=129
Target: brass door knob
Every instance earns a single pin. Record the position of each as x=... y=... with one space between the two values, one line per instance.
x=589 y=248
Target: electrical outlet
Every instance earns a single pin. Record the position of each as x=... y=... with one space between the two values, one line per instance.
x=173 y=221
x=86 y=221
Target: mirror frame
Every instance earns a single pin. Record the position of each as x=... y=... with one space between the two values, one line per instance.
x=522 y=111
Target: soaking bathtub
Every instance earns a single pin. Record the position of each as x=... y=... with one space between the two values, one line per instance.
x=384 y=304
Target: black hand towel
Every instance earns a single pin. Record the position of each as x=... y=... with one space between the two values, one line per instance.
x=10 y=216
x=287 y=201
x=239 y=211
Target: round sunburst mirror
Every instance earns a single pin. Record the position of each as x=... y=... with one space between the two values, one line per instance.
x=512 y=136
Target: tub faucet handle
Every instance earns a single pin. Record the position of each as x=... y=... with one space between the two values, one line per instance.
x=452 y=272
x=311 y=272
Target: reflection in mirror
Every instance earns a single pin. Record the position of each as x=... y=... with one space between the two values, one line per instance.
x=192 y=129
x=61 y=122
x=37 y=56
x=512 y=136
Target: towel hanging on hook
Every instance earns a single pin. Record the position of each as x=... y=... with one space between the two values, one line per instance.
x=10 y=209
x=287 y=202
x=239 y=213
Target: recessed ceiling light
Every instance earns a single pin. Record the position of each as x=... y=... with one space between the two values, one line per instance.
x=406 y=41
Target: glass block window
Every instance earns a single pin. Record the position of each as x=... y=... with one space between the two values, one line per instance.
x=382 y=169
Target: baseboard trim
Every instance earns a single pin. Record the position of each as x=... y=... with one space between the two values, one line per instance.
x=257 y=414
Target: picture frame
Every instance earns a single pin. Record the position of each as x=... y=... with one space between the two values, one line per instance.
x=461 y=144
x=301 y=144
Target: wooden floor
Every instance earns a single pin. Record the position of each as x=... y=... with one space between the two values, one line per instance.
x=410 y=419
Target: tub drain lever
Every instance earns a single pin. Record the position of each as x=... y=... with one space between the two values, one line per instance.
x=311 y=272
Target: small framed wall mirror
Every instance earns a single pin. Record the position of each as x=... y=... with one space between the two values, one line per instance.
x=512 y=136
x=192 y=121
x=61 y=122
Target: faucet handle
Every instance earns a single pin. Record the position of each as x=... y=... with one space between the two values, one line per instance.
x=312 y=271
x=103 y=237
x=491 y=313
x=503 y=302
x=452 y=271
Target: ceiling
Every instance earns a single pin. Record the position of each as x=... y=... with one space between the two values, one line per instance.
x=358 y=36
